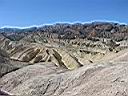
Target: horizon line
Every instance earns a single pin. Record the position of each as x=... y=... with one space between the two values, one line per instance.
x=40 y=25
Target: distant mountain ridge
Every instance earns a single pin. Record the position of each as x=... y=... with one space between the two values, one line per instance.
x=16 y=29
x=71 y=31
x=9 y=29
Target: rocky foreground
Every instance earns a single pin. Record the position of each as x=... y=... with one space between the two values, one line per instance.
x=33 y=66
x=46 y=79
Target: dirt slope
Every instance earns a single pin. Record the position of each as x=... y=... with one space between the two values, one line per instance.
x=47 y=80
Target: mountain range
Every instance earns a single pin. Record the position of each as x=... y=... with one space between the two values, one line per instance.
x=65 y=60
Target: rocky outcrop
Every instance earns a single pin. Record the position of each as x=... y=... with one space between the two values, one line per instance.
x=5 y=65
x=36 y=53
x=49 y=80
x=4 y=43
x=66 y=59
x=2 y=93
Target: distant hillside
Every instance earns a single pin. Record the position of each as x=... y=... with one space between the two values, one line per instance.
x=114 y=31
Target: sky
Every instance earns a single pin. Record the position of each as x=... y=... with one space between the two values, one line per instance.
x=23 y=13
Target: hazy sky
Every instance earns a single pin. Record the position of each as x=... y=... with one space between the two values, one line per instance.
x=36 y=12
